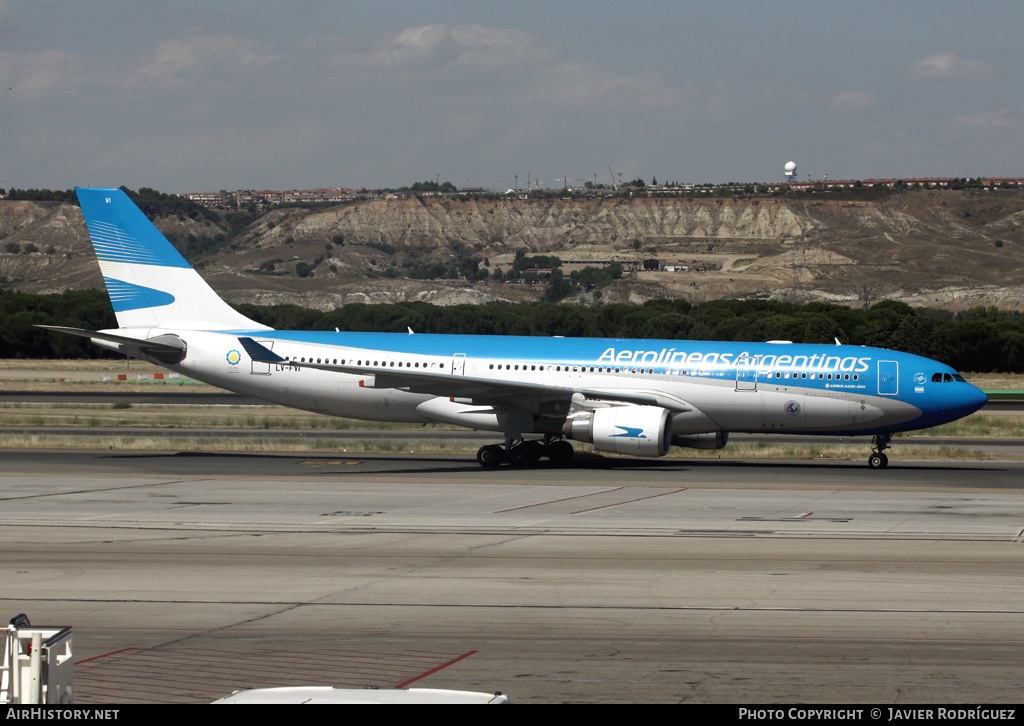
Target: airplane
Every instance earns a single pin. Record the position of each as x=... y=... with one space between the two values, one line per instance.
x=623 y=396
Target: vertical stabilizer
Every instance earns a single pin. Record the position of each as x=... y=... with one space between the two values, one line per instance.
x=149 y=283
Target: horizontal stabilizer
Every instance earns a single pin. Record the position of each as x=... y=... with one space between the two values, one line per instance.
x=165 y=348
x=166 y=343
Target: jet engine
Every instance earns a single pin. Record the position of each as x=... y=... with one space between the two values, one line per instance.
x=633 y=430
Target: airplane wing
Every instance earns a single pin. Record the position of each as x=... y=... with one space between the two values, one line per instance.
x=480 y=390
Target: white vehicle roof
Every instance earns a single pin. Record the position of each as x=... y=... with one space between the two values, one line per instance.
x=327 y=694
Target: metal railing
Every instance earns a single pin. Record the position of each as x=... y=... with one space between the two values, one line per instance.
x=37 y=664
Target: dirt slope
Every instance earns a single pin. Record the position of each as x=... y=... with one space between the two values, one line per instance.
x=946 y=248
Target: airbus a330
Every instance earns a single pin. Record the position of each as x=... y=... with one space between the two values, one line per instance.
x=635 y=397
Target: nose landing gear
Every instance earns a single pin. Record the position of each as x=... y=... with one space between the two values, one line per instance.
x=879 y=460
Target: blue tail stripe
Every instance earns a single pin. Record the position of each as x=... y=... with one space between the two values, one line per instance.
x=126 y=296
x=120 y=232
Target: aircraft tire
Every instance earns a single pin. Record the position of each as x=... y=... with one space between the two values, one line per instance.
x=878 y=461
x=490 y=456
x=559 y=452
x=526 y=453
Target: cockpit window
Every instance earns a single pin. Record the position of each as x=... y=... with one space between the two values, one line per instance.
x=958 y=377
x=937 y=378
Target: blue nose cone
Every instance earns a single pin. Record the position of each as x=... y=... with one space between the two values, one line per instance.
x=964 y=400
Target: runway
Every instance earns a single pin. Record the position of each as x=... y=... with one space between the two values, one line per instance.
x=186 y=576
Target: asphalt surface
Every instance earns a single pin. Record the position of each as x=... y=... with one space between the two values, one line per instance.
x=188 y=575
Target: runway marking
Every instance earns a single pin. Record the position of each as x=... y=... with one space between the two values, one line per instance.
x=72 y=492
x=104 y=655
x=604 y=493
x=435 y=670
x=799 y=517
x=347 y=513
x=630 y=501
x=330 y=463
x=171 y=674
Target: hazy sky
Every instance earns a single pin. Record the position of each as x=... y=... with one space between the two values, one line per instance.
x=200 y=95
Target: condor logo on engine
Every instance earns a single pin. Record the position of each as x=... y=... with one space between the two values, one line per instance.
x=629 y=433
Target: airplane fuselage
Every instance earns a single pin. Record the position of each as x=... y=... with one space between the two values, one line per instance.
x=707 y=386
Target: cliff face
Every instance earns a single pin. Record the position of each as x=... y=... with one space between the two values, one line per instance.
x=936 y=248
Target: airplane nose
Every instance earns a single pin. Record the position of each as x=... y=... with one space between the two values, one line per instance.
x=969 y=399
x=979 y=398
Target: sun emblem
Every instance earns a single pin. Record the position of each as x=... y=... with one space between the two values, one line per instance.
x=234 y=357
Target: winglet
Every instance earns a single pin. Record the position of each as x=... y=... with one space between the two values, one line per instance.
x=260 y=353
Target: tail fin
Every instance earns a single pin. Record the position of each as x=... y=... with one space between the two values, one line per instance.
x=149 y=283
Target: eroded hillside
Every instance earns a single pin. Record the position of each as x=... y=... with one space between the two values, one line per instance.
x=946 y=248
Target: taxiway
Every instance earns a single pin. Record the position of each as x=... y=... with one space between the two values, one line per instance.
x=189 y=575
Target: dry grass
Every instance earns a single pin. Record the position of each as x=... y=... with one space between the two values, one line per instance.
x=172 y=416
x=836 y=452
x=458 y=447
x=997 y=381
x=1007 y=425
x=242 y=444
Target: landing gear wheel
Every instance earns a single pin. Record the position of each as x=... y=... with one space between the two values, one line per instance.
x=559 y=452
x=490 y=456
x=878 y=460
x=526 y=453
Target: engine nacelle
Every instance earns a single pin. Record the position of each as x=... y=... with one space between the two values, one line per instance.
x=633 y=430
x=710 y=440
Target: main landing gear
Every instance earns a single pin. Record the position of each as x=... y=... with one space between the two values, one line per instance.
x=878 y=460
x=524 y=453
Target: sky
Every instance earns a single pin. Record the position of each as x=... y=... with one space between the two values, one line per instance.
x=203 y=95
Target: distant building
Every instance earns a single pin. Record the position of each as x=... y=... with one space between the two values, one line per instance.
x=344 y=194
x=270 y=196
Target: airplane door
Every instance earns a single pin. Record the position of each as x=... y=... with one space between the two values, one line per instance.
x=458 y=364
x=888 y=378
x=746 y=379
